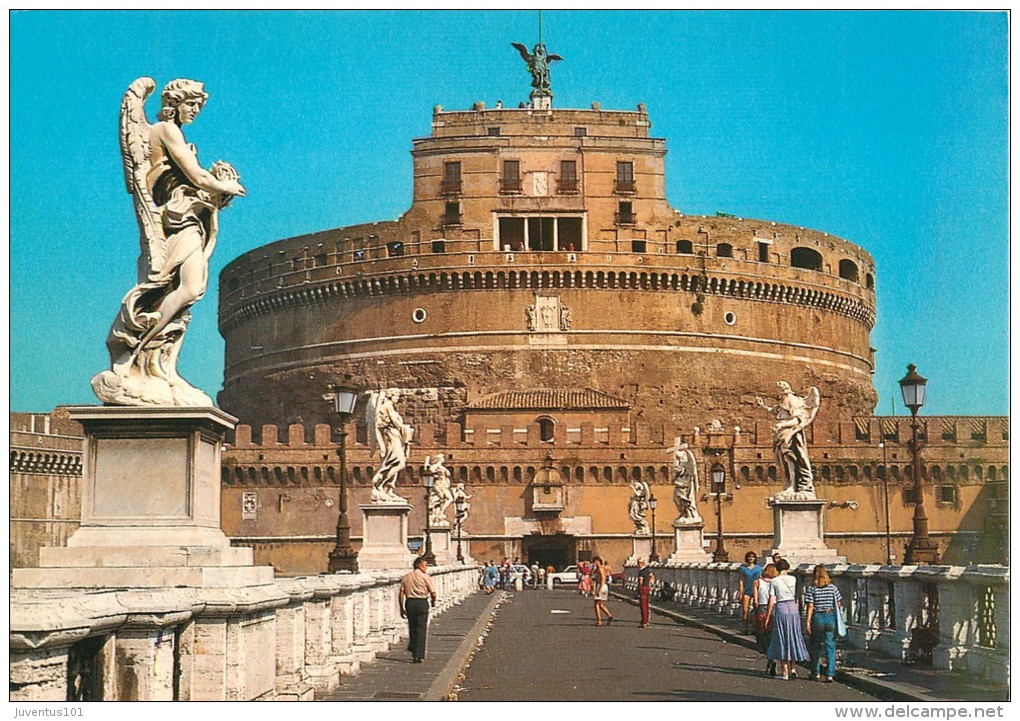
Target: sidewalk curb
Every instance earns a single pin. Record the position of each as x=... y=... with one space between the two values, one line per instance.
x=885 y=690
x=447 y=677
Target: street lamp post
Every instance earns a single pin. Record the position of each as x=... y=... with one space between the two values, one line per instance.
x=429 y=480
x=885 y=484
x=719 y=485
x=921 y=548
x=459 y=507
x=652 y=503
x=343 y=557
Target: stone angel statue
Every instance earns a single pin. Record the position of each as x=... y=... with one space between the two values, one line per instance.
x=793 y=415
x=393 y=437
x=177 y=204
x=638 y=506
x=460 y=492
x=685 y=484
x=442 y=494
x=538 y=64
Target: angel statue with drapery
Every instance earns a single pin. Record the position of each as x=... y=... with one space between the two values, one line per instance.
x=177 y=204
x=793 y=415
x=393 y=437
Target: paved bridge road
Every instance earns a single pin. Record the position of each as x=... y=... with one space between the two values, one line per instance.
x=535 y=654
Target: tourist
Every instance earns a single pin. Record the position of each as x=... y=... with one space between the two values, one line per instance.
x=823 y=601
x=645 y=579
x=540 y=575
x=534 y=575
x=600 y=581
x=776 y=557
x=584 y=574
x=491 y=577
x=787 y=644
x=748 y=574
x=415 y=596
x=762 y=627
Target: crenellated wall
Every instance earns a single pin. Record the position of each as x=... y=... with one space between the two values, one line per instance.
x=289 y=477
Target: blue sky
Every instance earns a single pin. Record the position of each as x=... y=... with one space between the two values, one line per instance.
x=889 y=129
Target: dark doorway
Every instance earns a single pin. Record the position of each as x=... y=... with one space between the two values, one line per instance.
x=558 y=551
x=85 y=670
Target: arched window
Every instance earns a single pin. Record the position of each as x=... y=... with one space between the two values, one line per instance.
x=685 y=247
x=806 y=258
x=869 y=281
x=848 y=270
x=545 y=430
x=724 y=250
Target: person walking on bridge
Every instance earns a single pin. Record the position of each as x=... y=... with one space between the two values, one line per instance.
x=600 y=581
x=645 y=579
x=415 y=597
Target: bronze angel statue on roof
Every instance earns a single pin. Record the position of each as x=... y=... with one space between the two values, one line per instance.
x=177 y=204
x=538 y=64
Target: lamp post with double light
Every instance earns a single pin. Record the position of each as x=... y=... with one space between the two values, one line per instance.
x=719 y=486
x=429 y=479
x=458 y=506
x=921 y=548
x=343 y=557
x=652 y=503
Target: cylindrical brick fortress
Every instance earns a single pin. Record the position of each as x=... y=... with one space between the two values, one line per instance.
x=540 y=252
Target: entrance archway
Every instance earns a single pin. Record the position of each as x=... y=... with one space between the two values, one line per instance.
x=558 y=551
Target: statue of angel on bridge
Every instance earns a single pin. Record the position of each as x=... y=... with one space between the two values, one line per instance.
x=177 y=204
x=793 y=415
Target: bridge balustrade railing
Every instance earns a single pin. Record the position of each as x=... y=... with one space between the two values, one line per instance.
x=951 y=617
x=284 y=640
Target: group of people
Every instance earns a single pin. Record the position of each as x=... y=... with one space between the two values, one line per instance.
x=503 y=576
x=769 y=600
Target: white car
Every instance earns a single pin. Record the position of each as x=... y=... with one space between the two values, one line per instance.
x=567 y=576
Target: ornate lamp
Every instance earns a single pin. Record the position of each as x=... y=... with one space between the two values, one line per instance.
x=343 y=557
x=718 y=487
x=921 y=548
x=652 y=503
x=459 y=507
x=429 y=480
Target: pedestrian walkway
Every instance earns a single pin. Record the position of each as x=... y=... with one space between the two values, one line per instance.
x=544 y=646
x=451 y=639
x=886 y=678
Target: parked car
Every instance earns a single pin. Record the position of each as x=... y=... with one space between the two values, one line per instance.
x=519 y=571
x=567 y=576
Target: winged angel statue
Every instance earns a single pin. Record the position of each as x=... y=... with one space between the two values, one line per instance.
x=177 y=203
x=538 y=64
x=793 y=415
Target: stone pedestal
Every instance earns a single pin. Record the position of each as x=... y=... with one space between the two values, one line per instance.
x=800 y=532
x=150 y=506
x=442 y=545
x=384 y=544
x=690 y=543
x=642 y=548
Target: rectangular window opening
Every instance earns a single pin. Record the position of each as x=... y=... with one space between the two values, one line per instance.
x=638 y=246
x=452 y=214
x=625 y=216
x=438 y=246
x=763 y=252
x=511 y=233
x=451 y=177
x=625 y=177
x=568 y=176
x=540 y=233
x=511 y=182
x=569 y=234
x=394 y=249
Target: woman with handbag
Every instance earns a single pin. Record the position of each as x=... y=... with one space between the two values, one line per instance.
x=762 y=626
x=824 y=611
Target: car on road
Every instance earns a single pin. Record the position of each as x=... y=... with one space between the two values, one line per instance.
x=568 y=576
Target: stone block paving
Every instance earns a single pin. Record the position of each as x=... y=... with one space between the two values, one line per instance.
x=544 y=646
x=392 y=676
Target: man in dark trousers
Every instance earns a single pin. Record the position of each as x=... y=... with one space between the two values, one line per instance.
x=416 y=595
x=645 y=579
